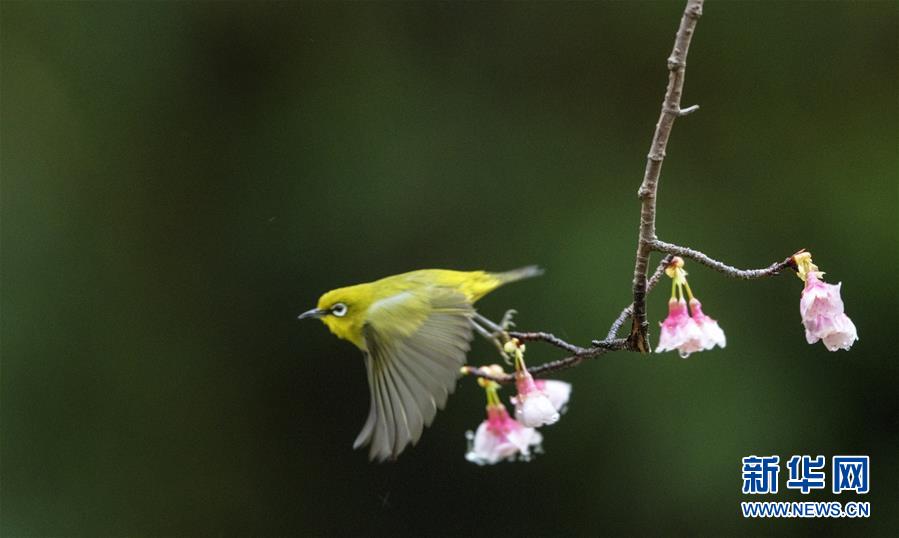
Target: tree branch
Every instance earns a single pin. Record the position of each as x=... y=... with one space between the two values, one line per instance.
x=600 y=348
x=549 y=339
x=733 y=272
x=671 y=110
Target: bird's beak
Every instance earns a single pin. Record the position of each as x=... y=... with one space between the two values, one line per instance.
x=314 y=313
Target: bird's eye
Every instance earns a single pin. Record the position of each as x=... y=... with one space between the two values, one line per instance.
x=339 y=310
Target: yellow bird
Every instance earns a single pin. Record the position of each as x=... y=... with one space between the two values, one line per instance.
x=414 y=330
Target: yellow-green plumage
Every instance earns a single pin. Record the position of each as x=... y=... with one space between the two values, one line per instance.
x=414 y=330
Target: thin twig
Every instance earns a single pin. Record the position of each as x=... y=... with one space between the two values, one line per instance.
x=549 y=339
x=733 y=272
x=559 y=364
x=671 y=110
x=571 y=361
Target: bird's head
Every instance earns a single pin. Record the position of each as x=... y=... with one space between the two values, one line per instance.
x=343 y=311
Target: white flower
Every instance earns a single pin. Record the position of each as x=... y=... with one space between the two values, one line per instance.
x=500 y=438
x=533 y=407
x=821 y=308
x=680 y=331
x=534 y=410
x=558 y=392
x=712 y=334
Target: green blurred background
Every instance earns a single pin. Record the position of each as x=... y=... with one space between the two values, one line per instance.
x=180 y=180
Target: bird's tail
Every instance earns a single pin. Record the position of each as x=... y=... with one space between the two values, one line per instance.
x=518 y=274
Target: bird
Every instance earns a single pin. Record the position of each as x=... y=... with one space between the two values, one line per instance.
x=414 y=330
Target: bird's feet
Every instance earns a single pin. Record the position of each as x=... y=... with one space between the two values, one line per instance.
x=506 y=323
x=498 y=334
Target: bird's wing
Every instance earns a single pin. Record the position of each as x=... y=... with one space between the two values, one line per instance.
x=417 y=341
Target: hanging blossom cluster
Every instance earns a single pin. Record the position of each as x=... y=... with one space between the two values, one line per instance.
x=821 y=308
x=689 y=330
x=537 y=403
x=683 y=330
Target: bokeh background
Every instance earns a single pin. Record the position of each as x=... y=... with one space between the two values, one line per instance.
x=180 y=180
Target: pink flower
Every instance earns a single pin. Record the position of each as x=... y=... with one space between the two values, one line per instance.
x=533 y=407
x=501 y=437
x=558 y=392
x=712 y=334
x=680 y=331
x=821 y=308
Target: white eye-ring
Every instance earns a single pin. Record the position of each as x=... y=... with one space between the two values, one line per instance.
x=339 y=310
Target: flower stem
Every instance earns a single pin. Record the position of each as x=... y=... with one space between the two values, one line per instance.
x=689 y=291
x=492 y=396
